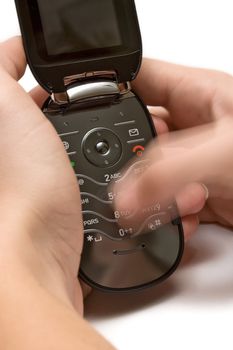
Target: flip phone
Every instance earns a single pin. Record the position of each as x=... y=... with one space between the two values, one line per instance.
x=85 y=53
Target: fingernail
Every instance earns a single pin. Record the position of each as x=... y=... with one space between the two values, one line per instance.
x=207 y=193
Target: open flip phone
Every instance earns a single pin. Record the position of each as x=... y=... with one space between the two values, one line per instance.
x=85 y=53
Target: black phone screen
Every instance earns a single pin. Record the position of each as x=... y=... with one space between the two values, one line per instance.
x=79 y=25
x=79 y=36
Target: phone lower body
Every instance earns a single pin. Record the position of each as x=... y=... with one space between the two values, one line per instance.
x=101 y=137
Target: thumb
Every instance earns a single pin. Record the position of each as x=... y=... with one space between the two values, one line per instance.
x=12 y=57
x=18 y=112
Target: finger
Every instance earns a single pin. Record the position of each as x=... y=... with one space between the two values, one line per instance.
x=86 y=289
x=163 y=114
x=160 y=112
x=186 y=92
x=192 y=199
x=189 y=201
x=190 y=226
x=219 y=211
x=39 y=96
x=158 y=82
x=207 y=216
x=12 y=58
x=170 y=171
x=160 y=125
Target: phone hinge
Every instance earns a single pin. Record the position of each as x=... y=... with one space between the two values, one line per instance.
x=88 y=86
x=90 y=75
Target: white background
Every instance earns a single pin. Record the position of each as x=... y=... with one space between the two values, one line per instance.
x=194 y=309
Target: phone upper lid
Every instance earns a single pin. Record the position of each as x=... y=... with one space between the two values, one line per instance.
x=49 y=62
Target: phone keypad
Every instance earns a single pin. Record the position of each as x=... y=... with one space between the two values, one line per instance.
x=106 y=146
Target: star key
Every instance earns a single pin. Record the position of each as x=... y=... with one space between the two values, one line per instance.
x=90 y=238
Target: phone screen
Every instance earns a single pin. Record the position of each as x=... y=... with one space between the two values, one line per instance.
x=79 y=25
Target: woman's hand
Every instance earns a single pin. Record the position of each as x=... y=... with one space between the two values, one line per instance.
x=40 y=201
x=198 y=106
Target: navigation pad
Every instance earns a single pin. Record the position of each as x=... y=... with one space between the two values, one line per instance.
x=102 y=147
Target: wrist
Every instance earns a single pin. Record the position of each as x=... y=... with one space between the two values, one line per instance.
x=25 y=259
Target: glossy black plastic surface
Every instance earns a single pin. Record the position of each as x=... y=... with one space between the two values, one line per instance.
x=117 y=257
x=51 y=59
x=102 y=135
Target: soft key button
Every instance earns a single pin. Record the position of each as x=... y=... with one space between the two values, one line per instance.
x=134 y=132
x=69 y=141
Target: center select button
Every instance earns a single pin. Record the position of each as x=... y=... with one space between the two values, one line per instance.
x=102 y=147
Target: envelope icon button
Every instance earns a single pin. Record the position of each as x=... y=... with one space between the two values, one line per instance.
x=133 y=132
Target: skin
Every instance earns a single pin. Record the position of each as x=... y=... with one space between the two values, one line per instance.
x=41 y=225
x=197 y=106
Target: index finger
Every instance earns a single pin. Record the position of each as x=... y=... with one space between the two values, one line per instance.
x=187 y=93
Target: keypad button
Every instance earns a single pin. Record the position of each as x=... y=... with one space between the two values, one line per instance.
x=95 y=222
x=69 y=141
x=95 y=203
